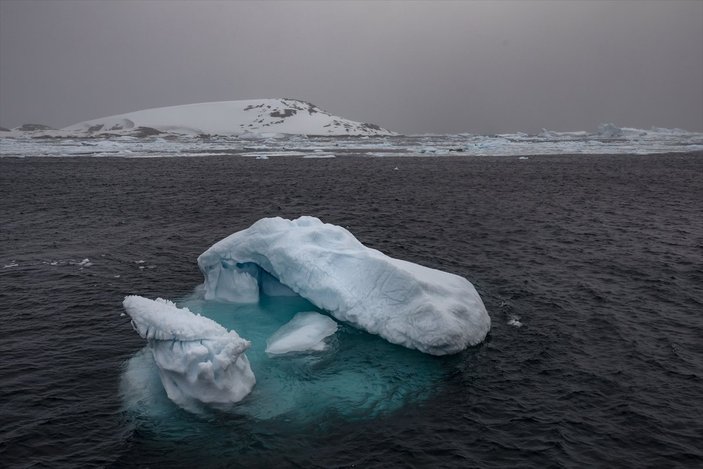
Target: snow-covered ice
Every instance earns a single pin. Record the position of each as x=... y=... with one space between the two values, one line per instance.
x=306 y=332
x=199 y=361
x=171 y=144
x=407 y=304
x=268 y=118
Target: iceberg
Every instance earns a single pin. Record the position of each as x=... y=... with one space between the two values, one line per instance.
x=435 y=312
x=199 y=361
x=306 y=332
x=609 y=130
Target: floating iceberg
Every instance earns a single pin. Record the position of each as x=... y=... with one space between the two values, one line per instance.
x=306 y=332
x=608 y=130
x=407 y=304
x=199 y=361
x=293 y=266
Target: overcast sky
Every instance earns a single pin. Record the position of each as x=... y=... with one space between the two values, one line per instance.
x=412 y=67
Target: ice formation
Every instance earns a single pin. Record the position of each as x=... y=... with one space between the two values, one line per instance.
x=306 y=332
x=247 y=118
x=199 y=361
x=407 y=304
x=171 y=143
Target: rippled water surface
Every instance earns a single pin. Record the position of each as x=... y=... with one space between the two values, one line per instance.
x=590 y=267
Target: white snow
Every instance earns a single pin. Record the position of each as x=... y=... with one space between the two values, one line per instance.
x=307 y=331
x=407 y=304
x=268 y=118
x=199 y=361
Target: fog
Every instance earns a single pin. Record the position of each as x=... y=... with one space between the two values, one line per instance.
x=411 y=67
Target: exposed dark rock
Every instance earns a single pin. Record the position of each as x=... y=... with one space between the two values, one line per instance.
x=142 y=132
x=251 y=106
x=370 y=126
x=33 y=127
x=284 y=114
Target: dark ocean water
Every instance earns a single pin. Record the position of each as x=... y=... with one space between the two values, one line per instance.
x=599 y=257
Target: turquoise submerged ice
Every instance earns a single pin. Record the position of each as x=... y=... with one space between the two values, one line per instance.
x=407 y=304
x=356 y=375
x=320 y=318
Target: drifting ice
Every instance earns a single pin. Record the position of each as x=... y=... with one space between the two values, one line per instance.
x=407 y=304
x=304 y=333
x=199 y=361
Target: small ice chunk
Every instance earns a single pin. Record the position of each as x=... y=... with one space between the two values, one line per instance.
x=306 y=332
x=11 y=264
x=609 y=130
x=514 y=321
x=85 y=263
x=199 y=361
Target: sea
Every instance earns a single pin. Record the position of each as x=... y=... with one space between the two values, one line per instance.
x=590 y=267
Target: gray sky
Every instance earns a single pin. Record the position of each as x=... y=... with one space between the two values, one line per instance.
x=411 y=67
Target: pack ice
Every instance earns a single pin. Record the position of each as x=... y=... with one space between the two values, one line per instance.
x=407 y=304
x=199 y=361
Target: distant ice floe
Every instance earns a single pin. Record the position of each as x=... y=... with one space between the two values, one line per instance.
x=317 y=156
x=51 y=262
x=607 y=139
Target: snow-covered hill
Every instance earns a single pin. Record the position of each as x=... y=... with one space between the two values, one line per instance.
x=253 y=116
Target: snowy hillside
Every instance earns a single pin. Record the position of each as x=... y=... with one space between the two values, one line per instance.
x=254 y=116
